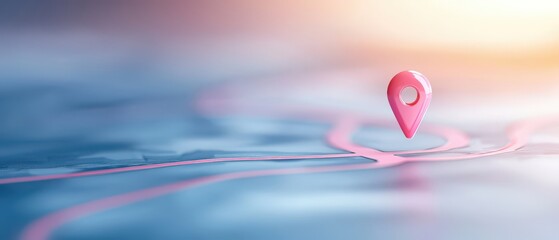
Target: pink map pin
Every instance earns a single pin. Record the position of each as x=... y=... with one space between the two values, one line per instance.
x=409 y=115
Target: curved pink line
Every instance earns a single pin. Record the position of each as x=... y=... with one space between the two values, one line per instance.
x=162 y=165
x=454 y=139
x=340 y=138
x=518 y=134
x=336 y=138
x=41 y=228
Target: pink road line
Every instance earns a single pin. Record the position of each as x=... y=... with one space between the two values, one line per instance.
x=161 y=165
x=454 y=139
x=319 y=115
x=340 y=137
x=518 y=134
x=42 y=228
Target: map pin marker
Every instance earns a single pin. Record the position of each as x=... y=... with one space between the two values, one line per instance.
x=409 y=115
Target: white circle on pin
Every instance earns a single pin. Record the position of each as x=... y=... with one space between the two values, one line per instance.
x=409 y=96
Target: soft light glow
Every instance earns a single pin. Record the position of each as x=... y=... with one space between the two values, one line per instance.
x=496 y=25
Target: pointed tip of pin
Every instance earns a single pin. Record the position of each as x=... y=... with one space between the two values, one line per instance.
x=409 y=135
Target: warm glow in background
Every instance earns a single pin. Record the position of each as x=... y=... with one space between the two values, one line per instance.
x=502 y=52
